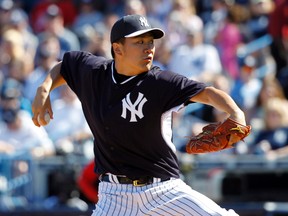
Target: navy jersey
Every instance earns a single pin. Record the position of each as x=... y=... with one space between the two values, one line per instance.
x=131 y=121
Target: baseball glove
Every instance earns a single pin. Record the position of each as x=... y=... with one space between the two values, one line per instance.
x=217 y=136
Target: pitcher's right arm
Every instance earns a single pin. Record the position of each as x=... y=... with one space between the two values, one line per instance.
x=41 y=103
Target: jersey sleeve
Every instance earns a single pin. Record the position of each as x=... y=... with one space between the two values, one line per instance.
x=182 y=90
x=79 y=68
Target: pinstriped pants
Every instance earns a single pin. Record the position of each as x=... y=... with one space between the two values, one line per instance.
x=168 y=198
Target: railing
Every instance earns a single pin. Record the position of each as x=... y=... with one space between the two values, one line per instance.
x=237 y=178
x=15 y=179
x=205 y=173
x=24 y=180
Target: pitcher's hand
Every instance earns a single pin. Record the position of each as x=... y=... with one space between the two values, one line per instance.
x=40 y=106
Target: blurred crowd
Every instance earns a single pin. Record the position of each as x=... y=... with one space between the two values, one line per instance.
x=239 y=46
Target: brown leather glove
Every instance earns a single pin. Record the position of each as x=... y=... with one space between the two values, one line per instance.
x=217 y=136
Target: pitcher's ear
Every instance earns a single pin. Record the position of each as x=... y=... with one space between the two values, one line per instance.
x=116 y=48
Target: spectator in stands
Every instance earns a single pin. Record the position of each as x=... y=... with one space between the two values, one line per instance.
x=158 y=10
x=247 y=86
x=47 y=54
x=19 y=21
x=97 y=38
x=53 y=23
x=270 y=88
x=214 y=19
x=278 y=29
x=13 y=88
x=16 y=131
x=6 y=7
x=259 y=20
x=12 y=46
x=16 y=70
x=176 y=21
x=96 y=41
x=38 y=9
x=12 y=49
x=229 y=38
x=163 y=55
x=88 y=16
x=17 y=51
x=272 y=140
x=73 y=133
x=195 y=59
x=1 y=78
x=135 y=7
x=88 y=183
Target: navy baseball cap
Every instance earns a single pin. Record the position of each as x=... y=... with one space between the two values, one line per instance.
x=132 y=26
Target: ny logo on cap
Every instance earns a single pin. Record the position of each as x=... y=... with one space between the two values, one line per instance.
x=143 y=22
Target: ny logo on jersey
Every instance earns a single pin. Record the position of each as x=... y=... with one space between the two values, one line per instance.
x=135 y=109
x=143 y=22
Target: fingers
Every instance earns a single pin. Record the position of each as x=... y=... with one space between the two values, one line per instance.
x=50 y=113
x=35 y=119
x=238 y=118
x=42 y=111
x=43 y=118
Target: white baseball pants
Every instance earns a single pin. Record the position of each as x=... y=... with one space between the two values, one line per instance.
x=169 y=198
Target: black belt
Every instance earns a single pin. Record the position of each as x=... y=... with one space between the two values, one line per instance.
x=140 y=181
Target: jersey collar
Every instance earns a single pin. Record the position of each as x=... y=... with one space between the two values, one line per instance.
x=114 y=80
